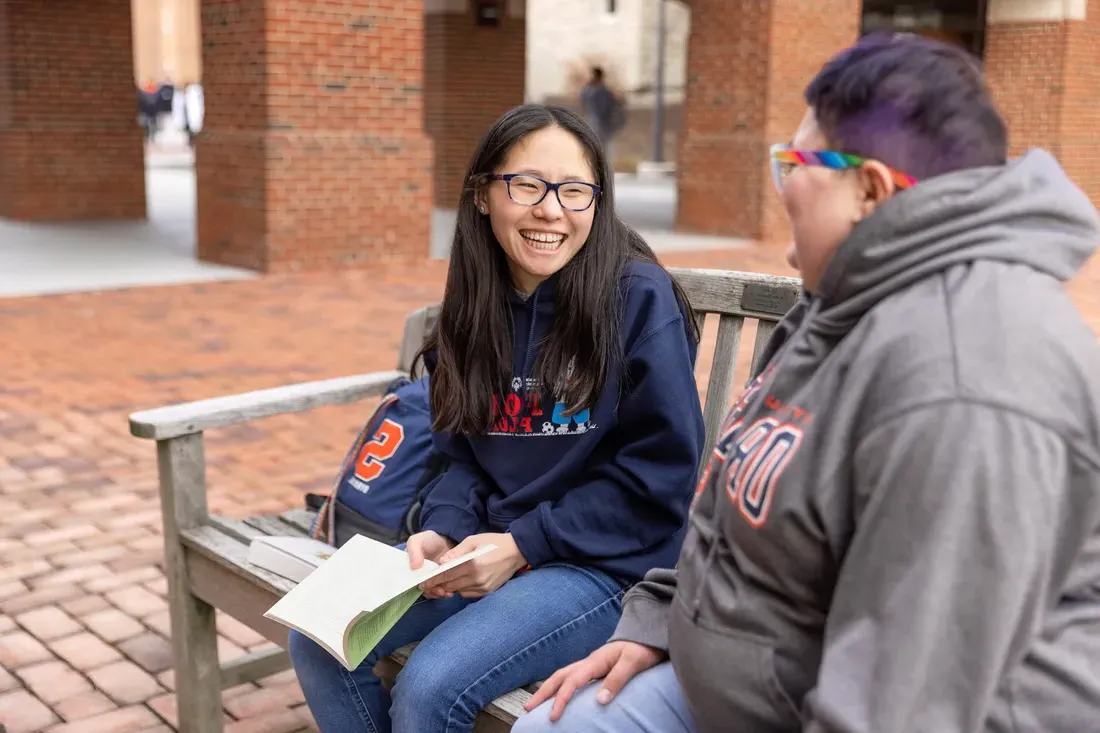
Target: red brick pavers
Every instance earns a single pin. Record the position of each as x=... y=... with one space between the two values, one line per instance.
x=83 y=619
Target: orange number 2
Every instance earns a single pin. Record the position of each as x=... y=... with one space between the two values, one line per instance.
x=371 y=461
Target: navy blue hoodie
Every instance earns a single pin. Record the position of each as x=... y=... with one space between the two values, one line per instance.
x=609 y=487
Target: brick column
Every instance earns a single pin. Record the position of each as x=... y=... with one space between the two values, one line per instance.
x=70 y=145
x=473 y=73
x=1042 y=59
x=312 y=153
x=748 y=64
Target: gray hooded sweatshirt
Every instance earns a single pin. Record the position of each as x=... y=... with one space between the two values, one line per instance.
x=899 y=528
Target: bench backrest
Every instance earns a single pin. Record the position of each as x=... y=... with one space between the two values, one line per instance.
x=731 y=296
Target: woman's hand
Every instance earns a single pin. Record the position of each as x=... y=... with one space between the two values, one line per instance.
x=619 y=662
x=480 y=576
x=426 y=546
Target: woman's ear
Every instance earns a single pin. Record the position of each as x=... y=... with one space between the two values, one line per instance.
x=481 y=201
x=876 y=186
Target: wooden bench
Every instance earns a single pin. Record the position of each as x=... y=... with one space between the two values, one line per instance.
x=205 y=555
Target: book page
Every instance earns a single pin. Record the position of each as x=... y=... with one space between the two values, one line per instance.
x=360 y=577
x=370 y=629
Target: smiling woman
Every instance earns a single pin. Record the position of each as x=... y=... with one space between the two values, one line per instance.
x=538 y=207
x=563 y=394
x=541 y=210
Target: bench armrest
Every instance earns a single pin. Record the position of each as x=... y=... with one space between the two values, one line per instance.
x=194 y=417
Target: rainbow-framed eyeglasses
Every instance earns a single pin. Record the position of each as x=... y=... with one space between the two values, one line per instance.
x=784 y=159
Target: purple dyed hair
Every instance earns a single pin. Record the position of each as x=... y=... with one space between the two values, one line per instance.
x=917 y=105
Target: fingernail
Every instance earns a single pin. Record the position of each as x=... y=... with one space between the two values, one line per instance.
x=603 y=696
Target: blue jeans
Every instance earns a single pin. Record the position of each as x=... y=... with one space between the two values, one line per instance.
x=652 y=702
x=471 y=652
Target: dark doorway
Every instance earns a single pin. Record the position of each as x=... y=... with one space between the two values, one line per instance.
x=957 y=21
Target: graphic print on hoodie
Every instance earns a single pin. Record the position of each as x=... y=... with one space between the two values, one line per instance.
x=522 y=412
x=609 y=486
x=899 y=531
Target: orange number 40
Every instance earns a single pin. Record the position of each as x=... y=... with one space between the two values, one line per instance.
x=372 y=458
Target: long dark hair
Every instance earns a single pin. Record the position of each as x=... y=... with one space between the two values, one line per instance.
x=473 y=339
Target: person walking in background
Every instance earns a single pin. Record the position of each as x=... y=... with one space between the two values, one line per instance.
x=148 y=112
x=602 y=109
x=179 y=112
x=899 y=528
x=194 y=110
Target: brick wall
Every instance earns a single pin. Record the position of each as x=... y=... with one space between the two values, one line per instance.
x=70 y=145
x=472 y=74
x=1045 y=77
x=7 y=54
x=1081 y=108
x=748 y=63
x=1024 y=65
x=312 y=154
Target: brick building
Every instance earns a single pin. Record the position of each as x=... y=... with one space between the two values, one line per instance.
x=308 y=159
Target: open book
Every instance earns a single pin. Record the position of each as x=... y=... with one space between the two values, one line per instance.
x=356 y=596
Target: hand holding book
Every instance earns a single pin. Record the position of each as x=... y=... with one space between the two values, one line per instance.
x=478 y=577
x=353 y=599
x=427 y=545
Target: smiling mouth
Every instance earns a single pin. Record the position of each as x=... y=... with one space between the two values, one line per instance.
x=542 y=241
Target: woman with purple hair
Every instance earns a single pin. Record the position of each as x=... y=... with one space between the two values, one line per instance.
x=899 y=527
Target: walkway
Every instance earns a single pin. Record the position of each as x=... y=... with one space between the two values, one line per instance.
x=43 y=259
x=56 y=258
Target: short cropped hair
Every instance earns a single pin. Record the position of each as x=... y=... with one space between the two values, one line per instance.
x=917 y=105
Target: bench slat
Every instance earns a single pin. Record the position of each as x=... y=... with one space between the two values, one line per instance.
x=723 y=291
x=300 y=518
x=721 y=377
x=219 y=574
x=195 y=417
x=764 y=330
x=254 y=666
x=232 y=553
x=234 y=528
x=273 y=525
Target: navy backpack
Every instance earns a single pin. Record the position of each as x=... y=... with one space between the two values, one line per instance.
x=381 y=484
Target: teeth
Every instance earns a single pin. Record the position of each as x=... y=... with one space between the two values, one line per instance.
x=543 y=240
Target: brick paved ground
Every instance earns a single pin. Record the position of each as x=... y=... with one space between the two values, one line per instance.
x=83 y=620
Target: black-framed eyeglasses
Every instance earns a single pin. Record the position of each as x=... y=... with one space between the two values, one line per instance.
x=528 y=190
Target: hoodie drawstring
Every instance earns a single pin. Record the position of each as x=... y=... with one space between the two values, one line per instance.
x=530 y=338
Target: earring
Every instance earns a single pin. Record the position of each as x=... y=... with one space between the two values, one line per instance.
x=483 y=210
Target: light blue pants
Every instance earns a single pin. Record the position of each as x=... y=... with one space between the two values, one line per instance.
x=471 y=652
x=652 y=702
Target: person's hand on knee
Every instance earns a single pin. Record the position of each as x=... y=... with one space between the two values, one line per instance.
x=616 y=663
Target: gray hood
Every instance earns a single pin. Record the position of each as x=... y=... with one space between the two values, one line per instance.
x=1026 y=212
